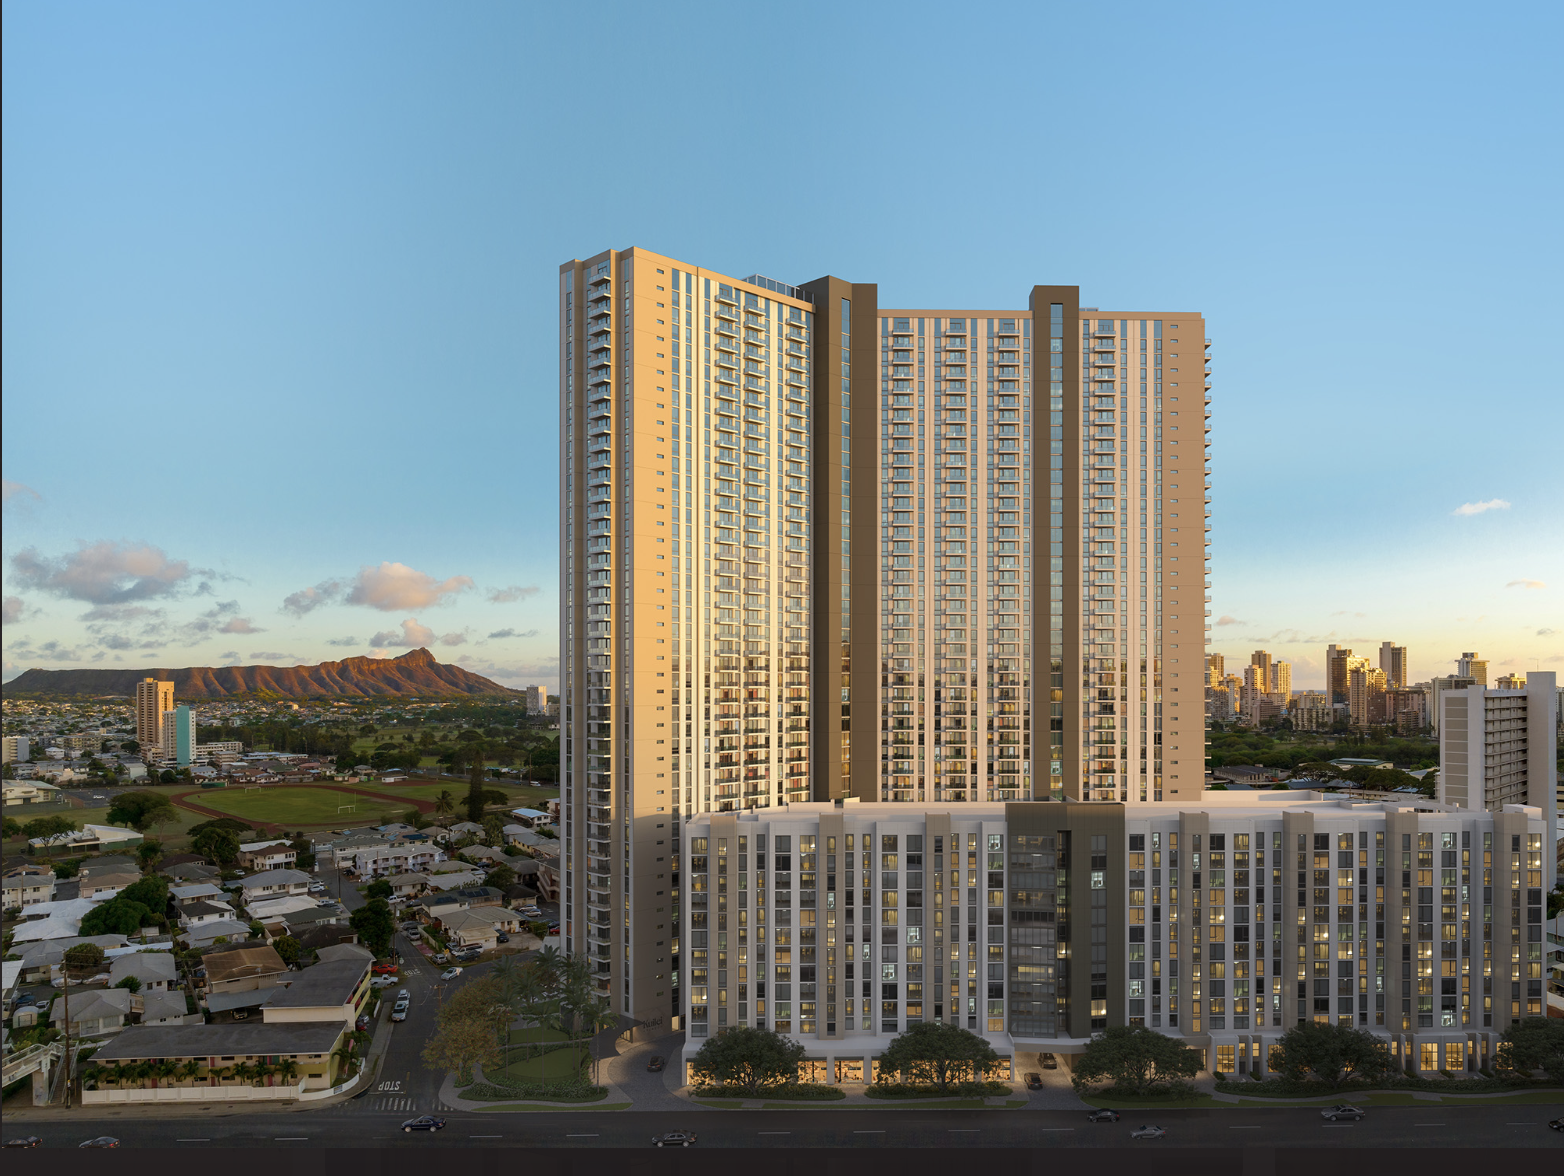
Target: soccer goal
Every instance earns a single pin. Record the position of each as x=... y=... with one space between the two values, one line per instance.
x=252 y=787
x=347 y=808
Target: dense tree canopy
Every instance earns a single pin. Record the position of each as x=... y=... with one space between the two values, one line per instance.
x=749 y=1059
x=937 y=1054
x=1331 y=1054
x=1134 y=1059
x=141 y=810
x=1537 y=1043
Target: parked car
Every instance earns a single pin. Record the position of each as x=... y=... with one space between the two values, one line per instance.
x=441 y=957
x=399 y=1012
x=424 y=1123
x=22 y=1141
x=401 y=994
x=383 y=969
x=1342 y=1111
x=502 y=938
x=1148 y=1132
x=383 y=981
x=362 y=1024
x=450 y=973
x=1103 y=1116
x=1050 y=1062
x=553 y=928
x=655 y=1065
x=673 y=1139
x=99 y=1141
x=1034 y=1081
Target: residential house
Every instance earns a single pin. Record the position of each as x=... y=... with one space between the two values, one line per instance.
x=467 y=928
x=207 y=934
x=155 y=969
x=23 y=890
x=486 y=855
x=408 y=885
x=191 y=872
x=274 y=884
x=298 y=923
x=95 y=1013
x=203 y=912
x=197 y=892
x=531 y=818
x=384 y=859
x=455 y=879
x=40 y=960
x=532 y=841
x=346 y=851
x=344 y=951
x=107 y=883
x=166 y=1008
x=242 y=969
x=466 y=829
x=333 y=991
x=548 y=879
x=267 y=855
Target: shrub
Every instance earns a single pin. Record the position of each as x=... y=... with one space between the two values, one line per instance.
x=797 y=1091
x=900 y=1090
x=493 y=1090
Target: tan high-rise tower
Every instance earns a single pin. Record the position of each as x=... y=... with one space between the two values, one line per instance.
x=153 y=698
x=785 y=510
x=1393 y=660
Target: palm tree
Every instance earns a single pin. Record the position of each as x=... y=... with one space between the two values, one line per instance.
x=444 y=804
x=550 y=964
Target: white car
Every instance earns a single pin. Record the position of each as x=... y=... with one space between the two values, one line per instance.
x=1148 y=1133
x=450 y=973
x=383 y=981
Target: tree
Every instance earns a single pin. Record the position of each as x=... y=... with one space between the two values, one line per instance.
x=379 y=888
x=288 y=949
x=475 y=801
x=305 y=851
x=444 y=805
x=501 y=878
x=84 y=959
x=375 y=925
x=494 y=830
x=167 y=777
x=1134 y=1059
x=934 y=1052
x=151 y=891
x=495 y=796
x=118 y=916
x=13 y=828
x=49 y=827
x=461 y=1044
x=131 y=746
x=748 y=1059
x=131 y=982
x=416 y=819
x=1330 y=1053
x=148 y=854
x=1537 y=1043
x=221 y=845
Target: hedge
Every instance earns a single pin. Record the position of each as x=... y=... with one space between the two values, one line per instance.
x=493 y=1091
x=1285 y=1088
x=897 y=1090
x=800 y=1091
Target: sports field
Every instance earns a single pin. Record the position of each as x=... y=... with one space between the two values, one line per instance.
x=299 y=807
x=521 y=795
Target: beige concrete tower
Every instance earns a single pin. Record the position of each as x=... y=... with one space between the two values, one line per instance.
x=153 y=700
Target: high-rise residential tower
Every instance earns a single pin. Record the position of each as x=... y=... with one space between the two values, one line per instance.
x=1336 y=670
x=1469 y=665
x=153 y=699
x=1393 y=660
x=805 y=557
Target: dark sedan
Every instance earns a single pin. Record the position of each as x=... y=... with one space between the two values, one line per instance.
x=424 y=1123
x=655 y=1065
x=1103 y=1116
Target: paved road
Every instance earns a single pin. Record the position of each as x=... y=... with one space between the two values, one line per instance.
x=1422 y=1127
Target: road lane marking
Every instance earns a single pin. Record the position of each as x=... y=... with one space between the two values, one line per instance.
x=209 y=1141
x=868 y=1133
x=1520 y=1124
x=593 y=1135
x=290 y=1138
x=1428 y=1124
x=774 y=1133
x=963 y=1130
x=1054 y=1129
x=1255 y=1128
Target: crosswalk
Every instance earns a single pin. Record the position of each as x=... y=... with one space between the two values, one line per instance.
x=391 y=1102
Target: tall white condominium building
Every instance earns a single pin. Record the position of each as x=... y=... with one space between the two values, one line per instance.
x=786 y=510
x=1393 y=660
x=1497 y=748
x=153 y=700
x=1035 y=925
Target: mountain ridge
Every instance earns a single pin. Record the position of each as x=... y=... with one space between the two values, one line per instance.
x=414 y=673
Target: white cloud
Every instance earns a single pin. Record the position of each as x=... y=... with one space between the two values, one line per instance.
x=343 y=642
x=1525 y=584
x=269 y=656
x=393 y=586
x=10 y=489
x=11 y=610
x=1477 y=508
x=414 y=635
x=1547 y=632
x=512 y=593
x=501 y=634
x=306 y=600
x=1227 y=620
x=103 y=573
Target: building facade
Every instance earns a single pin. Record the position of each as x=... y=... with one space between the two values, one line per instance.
x=1393 y=661
x=1469 y=665
x=1497 y=748
x=177 y=736
x=153 y=700
x=803 y=560
x=1038 y=924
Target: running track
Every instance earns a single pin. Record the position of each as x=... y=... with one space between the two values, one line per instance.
x=271 y=828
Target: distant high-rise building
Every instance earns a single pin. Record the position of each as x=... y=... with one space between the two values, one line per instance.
x=1437 y=688
x=153 y=699
x=1393 y=660
x=1336 y=658
x=537 y=700
x=177 y=736
x=1364 y=683
x=1281 y=681
x=17 y=749
x=1496 y=747
x=1469 y=665
x=1216 y=668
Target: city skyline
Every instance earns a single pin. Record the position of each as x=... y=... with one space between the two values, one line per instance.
x=354 y=352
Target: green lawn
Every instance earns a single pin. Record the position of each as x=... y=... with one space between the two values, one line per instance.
x=521 y=796
x=550 y=1067
x=299 y=807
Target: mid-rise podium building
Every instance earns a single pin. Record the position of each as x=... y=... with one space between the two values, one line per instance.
x=815 y=549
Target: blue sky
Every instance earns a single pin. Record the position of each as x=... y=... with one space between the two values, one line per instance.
x=278 y=288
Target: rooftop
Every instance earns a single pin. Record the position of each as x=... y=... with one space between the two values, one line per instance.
x=221 y=1041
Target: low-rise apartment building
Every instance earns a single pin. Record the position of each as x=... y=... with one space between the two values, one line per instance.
x=1038 y=924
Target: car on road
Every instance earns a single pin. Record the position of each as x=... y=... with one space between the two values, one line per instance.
x=1148 y=1132
x=317 y=888
x=1106 y=1115
x=450 y=973
x=674 y=1139
x=410 y=926
x=1556 y=1124
x=1342 y=1111
x=532 y=912
x=22 y=1141
x=654 y=1066
x=424 y=1123
x=1050 y=1062
x=399 y=1011
x=402 y=994
x=99 y=1141
x=1034 y=1081
x=383 y=969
